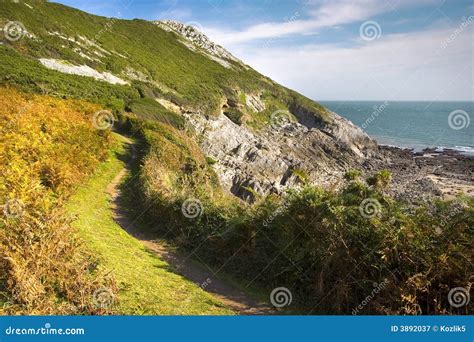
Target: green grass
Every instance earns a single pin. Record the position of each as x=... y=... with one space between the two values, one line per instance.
x=150 y=109
x=141 y=45
x=146 y=283
x=29 y=75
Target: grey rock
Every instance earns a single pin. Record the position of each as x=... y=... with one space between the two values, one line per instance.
x=194 y=36
x=263 y=161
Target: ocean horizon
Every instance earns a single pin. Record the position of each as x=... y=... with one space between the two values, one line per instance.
x=412 y=124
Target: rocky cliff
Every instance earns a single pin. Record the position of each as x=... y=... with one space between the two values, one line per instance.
x=297 y=144
x=262 y=137
x=276 y=158
x=302 y=144
x=199 y=40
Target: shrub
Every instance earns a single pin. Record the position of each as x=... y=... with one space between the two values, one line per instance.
x=234 y=115
x=211 y=161
x=381 y=179
x=150 y=109
x=47 y=147
x=327 y=247
x=352 y=175
x=331 y=255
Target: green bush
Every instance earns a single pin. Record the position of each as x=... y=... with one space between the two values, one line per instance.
x=352 y=175
x=150 y=109
x=234 y=115
x=328 y=248
x=47 y=148
x=381 y=179
x=334 y=248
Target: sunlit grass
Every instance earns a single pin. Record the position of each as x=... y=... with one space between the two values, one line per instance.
x=146 y=284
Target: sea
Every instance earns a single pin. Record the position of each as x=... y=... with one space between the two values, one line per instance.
x=412 y=124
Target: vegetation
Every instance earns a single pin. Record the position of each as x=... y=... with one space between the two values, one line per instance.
x=150 y=109
x=30 y=76
x=329 y=248
x=47 y=147
x=332 y=254
x=145 y=284
x=234 y=115
x=138 y=47
x=57 y=250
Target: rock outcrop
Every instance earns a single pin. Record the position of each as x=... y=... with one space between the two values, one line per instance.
x=82 y=70
x=254 y=103
x=200 y=40
x=274 y=158
x=271 y=160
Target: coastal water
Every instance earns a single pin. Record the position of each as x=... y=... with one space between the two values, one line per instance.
x=414 y=125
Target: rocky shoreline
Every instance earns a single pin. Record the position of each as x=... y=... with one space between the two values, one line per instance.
x=418 y=176
x=266 y=161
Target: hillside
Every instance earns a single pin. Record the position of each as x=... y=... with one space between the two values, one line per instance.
x=47 y=147
x=144 y=67
x=256 y=182
x=146 y=284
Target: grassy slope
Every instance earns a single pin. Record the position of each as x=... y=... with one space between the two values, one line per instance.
x=146 y=284
x=193 y=78
x=29 y=75
x=47 y=148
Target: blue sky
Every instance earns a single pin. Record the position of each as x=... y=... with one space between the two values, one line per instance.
x=334 y=50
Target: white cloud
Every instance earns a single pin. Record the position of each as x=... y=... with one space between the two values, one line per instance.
x=411 y=66
x=174 y=13
x=318 y=14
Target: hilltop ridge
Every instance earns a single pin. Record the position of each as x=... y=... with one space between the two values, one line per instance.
x=260 y=134
x=251 y=179
x=173 y=72
x=196 y=37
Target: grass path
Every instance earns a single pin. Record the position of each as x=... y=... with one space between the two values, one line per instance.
x=147 y=284
x=224 y=290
